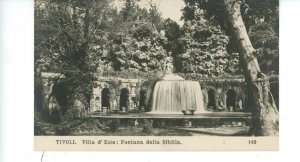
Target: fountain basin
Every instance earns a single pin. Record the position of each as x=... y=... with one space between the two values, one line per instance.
x=188 y=112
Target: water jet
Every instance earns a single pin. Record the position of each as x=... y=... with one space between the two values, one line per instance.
x=173 y=94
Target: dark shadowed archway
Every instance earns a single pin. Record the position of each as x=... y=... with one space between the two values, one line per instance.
x=105 y=98
x=143 y=99
x=59 y=91
x=211 y=99
x=124 y=96
x=231 y=99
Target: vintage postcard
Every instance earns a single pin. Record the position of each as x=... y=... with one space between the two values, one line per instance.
x=163 y=75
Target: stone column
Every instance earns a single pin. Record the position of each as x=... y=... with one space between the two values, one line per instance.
x=220 y=99
x=97 y=93
x=205 y=98
x=100 y=99
x=118 y=101
x=92 y=103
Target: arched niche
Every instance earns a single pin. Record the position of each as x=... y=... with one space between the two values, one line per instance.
x=59 y=91
x=211 y=98
x=143 y=97
x=124 y=98
x=105 y=98
x=231 y=99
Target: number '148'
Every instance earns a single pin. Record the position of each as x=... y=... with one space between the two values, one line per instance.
x=252 y=142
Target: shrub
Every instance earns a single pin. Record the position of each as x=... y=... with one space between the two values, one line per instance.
x=38 y=130
x=72 y=114
x=55 y=117
x=113 y=124
x=62 y=131
x=147 y=127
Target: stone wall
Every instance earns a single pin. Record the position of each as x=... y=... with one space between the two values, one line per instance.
x=228 y=94
x=119 y=94
x=49 y=102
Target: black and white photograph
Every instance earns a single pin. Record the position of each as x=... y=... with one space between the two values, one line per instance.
x=156 y=68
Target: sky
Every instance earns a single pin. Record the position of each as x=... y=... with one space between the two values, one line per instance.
x=168 y=8
x=171 y=9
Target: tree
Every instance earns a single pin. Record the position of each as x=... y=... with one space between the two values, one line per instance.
x=261 y=19
x=173 y=32
x=204 y=43
x=155 y=16
x=66 y=32
x=128 y=10
x=266 y=42
x=265 y=114
x=136 y=44
x=228 y=14
x=139 y=50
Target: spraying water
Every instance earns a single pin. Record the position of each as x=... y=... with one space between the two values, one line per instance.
x=174 y=94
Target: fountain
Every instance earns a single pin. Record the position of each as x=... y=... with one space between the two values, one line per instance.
x=172 y=97
x=173 y=94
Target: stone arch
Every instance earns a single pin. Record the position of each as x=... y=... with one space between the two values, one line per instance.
x=124 y=98
x=143 y=97
x=211 y=99
x=105 y=98
x=231 y=99
x=57 y=100
x=59 y=91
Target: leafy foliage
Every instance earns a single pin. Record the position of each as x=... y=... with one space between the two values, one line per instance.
x=266 y=43
x=261 y=19
x=79 y=38
x=136 y=45
x=140 y=50
x=204 y=44
x=173 y=32
x=113 y=124
x=64 y=33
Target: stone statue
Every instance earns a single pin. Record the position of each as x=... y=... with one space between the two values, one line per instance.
x=97 y=104
x=168 y=64
x=114 y=103
x=239 y=104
